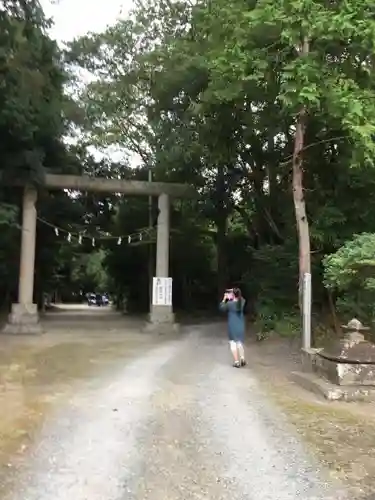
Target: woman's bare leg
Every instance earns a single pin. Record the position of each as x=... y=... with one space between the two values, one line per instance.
x=234 y=351
x=241 y=353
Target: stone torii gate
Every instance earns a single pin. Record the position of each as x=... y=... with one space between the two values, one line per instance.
x=24 y=318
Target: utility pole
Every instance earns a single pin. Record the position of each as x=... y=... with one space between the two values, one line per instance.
x=150 y=249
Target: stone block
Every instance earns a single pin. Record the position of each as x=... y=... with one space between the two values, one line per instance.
x=348 y=374
x=23 y=320
x=309 y=359
x=161 y=320
x=162 y=328
x=161 y=314
x=333 y=392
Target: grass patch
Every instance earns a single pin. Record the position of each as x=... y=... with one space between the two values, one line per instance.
x=35 y=378
x=342 y=438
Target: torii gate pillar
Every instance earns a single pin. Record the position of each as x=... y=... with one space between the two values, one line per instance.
x=24 y=318
x=162 y=316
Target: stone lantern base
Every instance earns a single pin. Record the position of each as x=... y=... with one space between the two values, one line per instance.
x=344 y=370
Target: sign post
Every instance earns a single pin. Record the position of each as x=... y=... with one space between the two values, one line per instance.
x=162 y=291
x=306 y=311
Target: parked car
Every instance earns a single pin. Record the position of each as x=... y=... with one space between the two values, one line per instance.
x=97 y=299
x=91 y=299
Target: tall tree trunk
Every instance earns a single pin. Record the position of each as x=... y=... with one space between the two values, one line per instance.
x=332 y=311
x=298 y=193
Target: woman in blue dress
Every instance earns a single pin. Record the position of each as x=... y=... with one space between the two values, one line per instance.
x=233 y=304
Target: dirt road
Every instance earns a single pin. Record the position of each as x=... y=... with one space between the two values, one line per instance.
x=171 y=422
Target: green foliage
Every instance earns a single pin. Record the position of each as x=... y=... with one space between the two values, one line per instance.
x=274 y=276
x=332 y=77
x=8 y=215
x=173 y=87
x=192 y=256
x=351 y=273
x=207 y=94
x=31 y=121
x=31 y=92
x=352 y=265
x=268 y=323
x=89 y=273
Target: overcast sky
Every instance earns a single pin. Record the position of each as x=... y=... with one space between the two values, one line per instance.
x=73 y=18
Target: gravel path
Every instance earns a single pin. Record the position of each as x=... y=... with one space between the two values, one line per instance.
x=178 y=423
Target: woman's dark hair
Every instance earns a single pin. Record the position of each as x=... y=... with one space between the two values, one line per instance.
x=237 y=293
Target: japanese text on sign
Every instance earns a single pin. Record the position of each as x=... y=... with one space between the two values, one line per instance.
x=162 y=292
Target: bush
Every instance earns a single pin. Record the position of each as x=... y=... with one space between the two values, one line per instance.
x=350 y=274
x=271 y=320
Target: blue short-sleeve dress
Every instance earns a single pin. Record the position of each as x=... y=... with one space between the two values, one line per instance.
x=236 y=319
